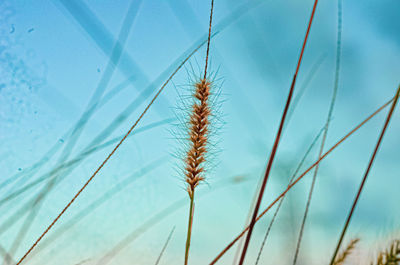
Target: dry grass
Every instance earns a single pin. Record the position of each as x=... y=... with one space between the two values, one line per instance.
x=345 y=253
x=390 y=256
x=198 y=135
x=198 y=139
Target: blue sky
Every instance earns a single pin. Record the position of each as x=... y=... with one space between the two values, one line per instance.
x=54 y=54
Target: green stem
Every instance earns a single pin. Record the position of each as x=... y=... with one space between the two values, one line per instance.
x=189 y=232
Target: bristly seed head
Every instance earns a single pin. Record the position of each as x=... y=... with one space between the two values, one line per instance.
x=198 y=136
x=390 y=256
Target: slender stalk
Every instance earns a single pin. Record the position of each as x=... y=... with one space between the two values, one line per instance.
x=296 y=100
x=283 y=198
x=103 y=163
x=94 y=205
x=364 y=179
x=209 y=39
x=276 y=142
x=224 y=183
x=301 y=176
x=341 y=258
x=189 y=232
x=165 y=246
x=198 y=138
x=79 y=127
x=328 y=120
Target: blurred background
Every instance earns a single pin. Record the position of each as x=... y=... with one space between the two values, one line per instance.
x=76 y=74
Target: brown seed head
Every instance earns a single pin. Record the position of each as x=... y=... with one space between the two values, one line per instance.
x=198 y=135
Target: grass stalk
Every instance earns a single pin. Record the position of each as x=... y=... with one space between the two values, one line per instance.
x=283 y=198
x=364 y=179
x=131 y=129
x=158 y=217
x=341 y=258
x=198 y=138
x=291 y=110
x=276 y=142
x=301 y=176
x=165 y=246
x=196 y=155
x=328 y=120
x=189 y=232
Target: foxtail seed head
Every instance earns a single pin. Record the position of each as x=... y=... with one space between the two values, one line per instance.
x=198 y=136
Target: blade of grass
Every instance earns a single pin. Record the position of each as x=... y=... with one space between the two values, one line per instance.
x=102 y=37
x=328 y=120
x=131 y=107
x=76 y=133
x=68 y=165
x=300 y=177
x=4 y=253
x=389 y=256
x=101 y=166
x=114 y=59
x=87 y=210
x=281 y=201
x=165 y=246
x=296 y=100
x=364 y=179
x=346 y=252
x=32 y=170
x=307 y=80
x=276 y=142
x=309 y=77
x=222 y=25
x=118 y=120
x=122 y=116
x=158 y=217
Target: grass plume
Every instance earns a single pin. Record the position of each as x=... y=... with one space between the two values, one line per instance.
x=342 y=256
x=195 y=157
x=198 y=138
x=198 y=135
x=391 y=256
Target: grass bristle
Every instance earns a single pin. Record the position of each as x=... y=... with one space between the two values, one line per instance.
x=345 y=253
x=390 y=256
x=198 y=136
